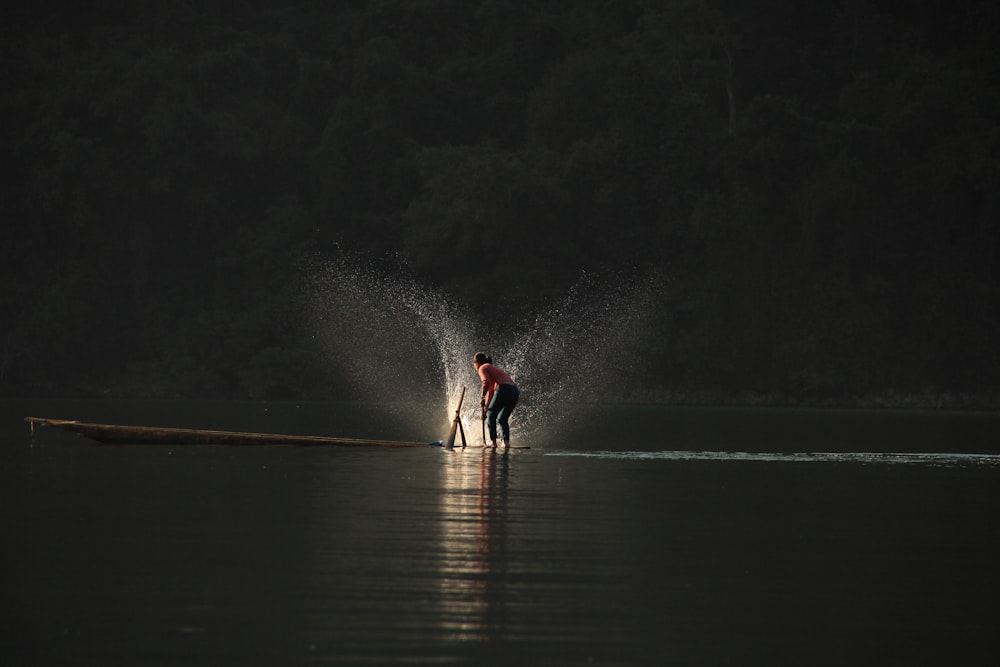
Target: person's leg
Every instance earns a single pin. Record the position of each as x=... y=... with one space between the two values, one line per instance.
x=504 y=425
x=508 y=396
x=491 y=419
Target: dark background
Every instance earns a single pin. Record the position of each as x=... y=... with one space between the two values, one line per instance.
x=816 y=183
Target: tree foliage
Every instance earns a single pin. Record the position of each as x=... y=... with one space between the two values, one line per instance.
x=817 y=179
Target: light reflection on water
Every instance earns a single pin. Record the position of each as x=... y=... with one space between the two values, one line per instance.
x=530 y=566
x=474 y=543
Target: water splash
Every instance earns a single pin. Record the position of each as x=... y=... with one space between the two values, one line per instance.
x=584 y=349
x=395 y=341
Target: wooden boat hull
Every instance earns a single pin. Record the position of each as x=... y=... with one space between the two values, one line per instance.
x=114 y=434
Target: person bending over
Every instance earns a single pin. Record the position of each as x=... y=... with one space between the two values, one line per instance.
x=499 y=398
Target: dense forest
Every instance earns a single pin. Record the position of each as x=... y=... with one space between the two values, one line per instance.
x=816 y=183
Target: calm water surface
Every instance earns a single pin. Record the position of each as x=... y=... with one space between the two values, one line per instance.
x=641 y=539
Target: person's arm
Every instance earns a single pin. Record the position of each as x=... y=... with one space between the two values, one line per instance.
x=487 y=385
x=482 y=402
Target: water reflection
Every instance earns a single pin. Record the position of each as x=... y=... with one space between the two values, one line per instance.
x=474 y=544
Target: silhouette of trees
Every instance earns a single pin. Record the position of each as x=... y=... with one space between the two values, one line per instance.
x=817 y=180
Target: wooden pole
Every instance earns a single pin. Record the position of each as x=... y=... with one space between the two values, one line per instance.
x=449 y=442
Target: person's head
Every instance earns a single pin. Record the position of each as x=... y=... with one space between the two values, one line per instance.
x=480 y=359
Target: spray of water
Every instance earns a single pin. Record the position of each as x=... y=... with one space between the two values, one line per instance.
x=402 y=344
x=585 y=349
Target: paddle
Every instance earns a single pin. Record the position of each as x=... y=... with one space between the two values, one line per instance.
x=461 y=432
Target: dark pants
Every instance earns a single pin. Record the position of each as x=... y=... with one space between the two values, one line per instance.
x=500 y=409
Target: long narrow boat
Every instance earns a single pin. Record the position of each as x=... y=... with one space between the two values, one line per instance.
x=114 y=434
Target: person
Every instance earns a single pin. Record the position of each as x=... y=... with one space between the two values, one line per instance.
x=499 y=398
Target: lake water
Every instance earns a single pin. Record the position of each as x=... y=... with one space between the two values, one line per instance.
x=635 y=536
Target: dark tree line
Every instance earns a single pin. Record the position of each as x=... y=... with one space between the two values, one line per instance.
x=817 y=180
